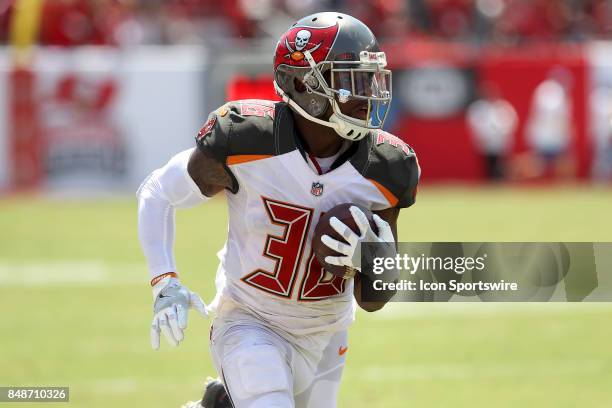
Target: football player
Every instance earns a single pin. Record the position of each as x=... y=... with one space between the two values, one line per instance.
x=279 y=336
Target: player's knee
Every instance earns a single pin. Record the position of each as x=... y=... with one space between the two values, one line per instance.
x=259 y=373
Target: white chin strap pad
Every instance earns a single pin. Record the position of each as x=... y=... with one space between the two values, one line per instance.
x=343 y=128
x=347 y=130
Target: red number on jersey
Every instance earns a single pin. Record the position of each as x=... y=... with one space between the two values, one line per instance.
x=384 y=137
x=286 y=251
x=257 y=108
x=315 y=286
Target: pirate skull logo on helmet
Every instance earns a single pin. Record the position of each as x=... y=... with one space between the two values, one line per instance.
x=301 y=39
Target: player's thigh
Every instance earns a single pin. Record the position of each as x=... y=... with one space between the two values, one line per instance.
x=253 y=365
x=323 y=391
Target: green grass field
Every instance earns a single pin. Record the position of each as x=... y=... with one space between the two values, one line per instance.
x=76 y=309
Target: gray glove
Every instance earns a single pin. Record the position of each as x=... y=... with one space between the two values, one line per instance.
x=172 y=302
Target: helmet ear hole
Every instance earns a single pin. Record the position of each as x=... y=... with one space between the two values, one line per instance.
x=311 y=81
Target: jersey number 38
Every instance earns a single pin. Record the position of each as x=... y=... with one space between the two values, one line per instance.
x=287 y=251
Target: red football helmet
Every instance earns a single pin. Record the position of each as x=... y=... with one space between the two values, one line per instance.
x=329 y=59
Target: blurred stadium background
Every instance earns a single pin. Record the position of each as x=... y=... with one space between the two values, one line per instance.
x=507 y=102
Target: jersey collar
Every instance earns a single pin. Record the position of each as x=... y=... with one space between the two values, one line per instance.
x=287 y=138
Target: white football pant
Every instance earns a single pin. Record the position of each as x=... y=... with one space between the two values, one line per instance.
x=262 y=369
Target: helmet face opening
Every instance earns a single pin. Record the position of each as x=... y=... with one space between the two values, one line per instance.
x=337 y=60
x=362 y=83
x=347 y=83
x=367 y=83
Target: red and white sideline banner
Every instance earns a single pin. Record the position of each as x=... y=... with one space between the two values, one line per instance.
x=97 y=119
x=102 y=118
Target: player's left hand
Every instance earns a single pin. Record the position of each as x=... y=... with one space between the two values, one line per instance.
x=352 y=251
x=172 y=303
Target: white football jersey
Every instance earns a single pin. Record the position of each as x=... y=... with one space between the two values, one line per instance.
x=267 y=266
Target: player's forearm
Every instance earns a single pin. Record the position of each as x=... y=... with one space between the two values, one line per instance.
x=156 y=233
x=163 y=191
x=382 y=297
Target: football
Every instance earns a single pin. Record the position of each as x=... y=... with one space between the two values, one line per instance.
x=323 y=227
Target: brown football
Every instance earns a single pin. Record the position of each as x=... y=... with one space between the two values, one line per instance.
x=321 y=250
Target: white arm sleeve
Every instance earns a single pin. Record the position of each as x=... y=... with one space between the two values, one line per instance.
x=160 y=193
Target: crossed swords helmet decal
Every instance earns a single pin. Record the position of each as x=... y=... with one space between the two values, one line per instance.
x=301 y=40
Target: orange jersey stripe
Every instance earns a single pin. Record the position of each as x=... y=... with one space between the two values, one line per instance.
x=245 y=158
x=385 y=191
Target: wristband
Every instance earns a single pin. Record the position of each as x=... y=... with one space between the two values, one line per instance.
x=156 y=279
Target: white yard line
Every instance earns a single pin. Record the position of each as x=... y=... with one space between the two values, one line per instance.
x=77 y=273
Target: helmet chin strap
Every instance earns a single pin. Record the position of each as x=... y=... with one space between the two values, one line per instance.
x=342 y=128
x=345 y=129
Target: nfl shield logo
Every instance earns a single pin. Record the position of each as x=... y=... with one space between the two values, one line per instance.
x=316 y=189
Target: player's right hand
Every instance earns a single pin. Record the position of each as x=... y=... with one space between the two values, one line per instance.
x=171 y=305
x=351 y=252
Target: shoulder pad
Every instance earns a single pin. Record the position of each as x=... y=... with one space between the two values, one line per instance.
x=393 y=167
x=239 y=128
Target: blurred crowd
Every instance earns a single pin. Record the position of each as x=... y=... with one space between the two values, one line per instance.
x=130 y=22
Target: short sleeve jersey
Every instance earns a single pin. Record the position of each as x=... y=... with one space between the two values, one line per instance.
x=275 y=201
